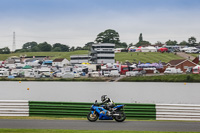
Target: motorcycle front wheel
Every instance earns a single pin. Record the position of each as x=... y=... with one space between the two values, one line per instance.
x=121 y=117
x=92 y=117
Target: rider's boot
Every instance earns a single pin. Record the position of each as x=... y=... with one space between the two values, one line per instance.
x=110 y=112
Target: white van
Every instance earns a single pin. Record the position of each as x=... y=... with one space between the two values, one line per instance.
x=172 y=71
x=114 y=73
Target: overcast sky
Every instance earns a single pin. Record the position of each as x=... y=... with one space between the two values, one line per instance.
x=76 y=22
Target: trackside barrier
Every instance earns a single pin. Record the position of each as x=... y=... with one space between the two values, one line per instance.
x=75 y=109
x=14 y=108
x=178 y=112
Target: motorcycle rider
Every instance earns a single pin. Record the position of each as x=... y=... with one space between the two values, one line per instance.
x=109 y=104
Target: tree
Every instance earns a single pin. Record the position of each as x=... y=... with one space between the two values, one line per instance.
x=29 y=45
x=192 y=41
x=62 y=47
x=121 y=45
x=183 y=43
x=78 y=48
x=57 y=49
x=35 y=49
x=140 y=38
x=142 y=42
x=169 y=42
x=5 y=50
x=130 y=45
x=158 y=43
x=108 y=36
x=88 y=45
x=44 y=46
x=72 y=48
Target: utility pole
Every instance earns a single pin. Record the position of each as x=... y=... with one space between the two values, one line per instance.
x=14 y=45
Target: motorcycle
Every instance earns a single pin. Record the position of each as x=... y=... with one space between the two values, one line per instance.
x=101 y=113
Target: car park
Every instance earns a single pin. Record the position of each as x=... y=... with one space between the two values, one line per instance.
x=114 y=73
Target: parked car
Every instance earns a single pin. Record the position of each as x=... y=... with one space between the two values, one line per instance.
x=76 y=75
x=192 y=51
x=196 y=69
x=106 y=73
x=172 y=71
x=114 y=73
x=93 y=74
x=68 y=75
x=189 y=70
x=134 y=73
x=4 y=72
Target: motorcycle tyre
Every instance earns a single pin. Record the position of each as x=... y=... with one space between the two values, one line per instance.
x=93 y=120
x=120 y=120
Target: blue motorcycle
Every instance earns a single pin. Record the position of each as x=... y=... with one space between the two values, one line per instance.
x=101 y=113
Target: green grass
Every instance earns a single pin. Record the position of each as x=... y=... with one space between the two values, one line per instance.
x=164 y=78
x=195 y=55
x=149 y=57
x=76 y=131
x=53 y=54
x=94 y=79
x=42 y=118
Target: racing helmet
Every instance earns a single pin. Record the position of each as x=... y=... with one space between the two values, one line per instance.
x=103 y=97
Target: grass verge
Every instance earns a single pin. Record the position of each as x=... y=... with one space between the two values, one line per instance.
x=96 y=79
x=164 y=78
x=41 y=118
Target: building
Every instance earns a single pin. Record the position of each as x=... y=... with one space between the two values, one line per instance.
x=102 y=53
x=78 y=59
x=183 y=64
x=60 y=62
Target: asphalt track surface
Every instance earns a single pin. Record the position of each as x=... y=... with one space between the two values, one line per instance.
x=101 y=125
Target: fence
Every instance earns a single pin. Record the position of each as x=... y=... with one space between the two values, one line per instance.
x=14 y=108
x=178 y=112
x=75 y=109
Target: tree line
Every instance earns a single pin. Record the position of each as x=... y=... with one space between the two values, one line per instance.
x=108 y=36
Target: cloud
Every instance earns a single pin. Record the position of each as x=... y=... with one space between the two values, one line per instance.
x=79 y=24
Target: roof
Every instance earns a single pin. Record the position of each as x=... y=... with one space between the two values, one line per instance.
x=177 y=62
x=58 y=60
x=47 y=61
x=27 y=67
x=84 y=55
x=103 y=44
x=163 y=63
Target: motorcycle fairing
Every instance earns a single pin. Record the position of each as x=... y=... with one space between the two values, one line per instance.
x=118 y=107
x=102 y=113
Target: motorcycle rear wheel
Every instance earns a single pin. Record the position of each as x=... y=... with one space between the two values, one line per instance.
x=121 y=117
x=92 y=117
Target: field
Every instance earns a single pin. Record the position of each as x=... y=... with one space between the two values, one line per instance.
x=52 y=54
x=149 y=57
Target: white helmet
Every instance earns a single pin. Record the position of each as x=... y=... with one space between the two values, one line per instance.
x=103 y=97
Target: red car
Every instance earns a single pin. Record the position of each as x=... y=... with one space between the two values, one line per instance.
x=163 y=50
